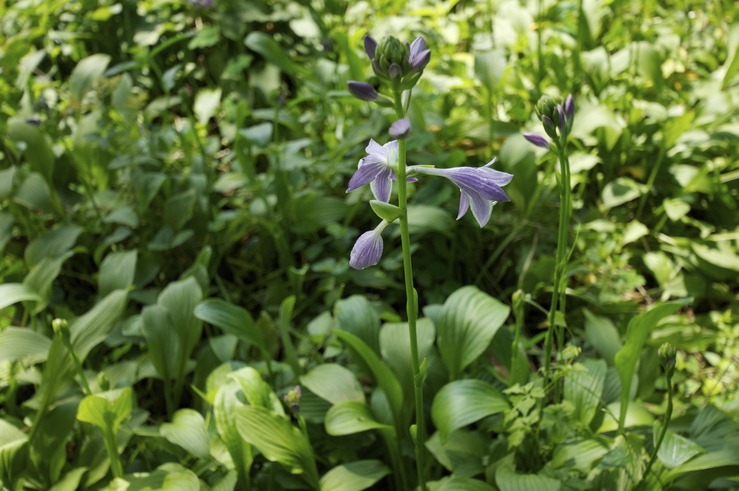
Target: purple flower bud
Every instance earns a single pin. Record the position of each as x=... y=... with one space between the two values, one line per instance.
x=367 y=251
x=362 y=90
x=419 y=55
x=537 y=140
x=394 y=71
x=400 y=129
x=33 y=121
x=561 y=120
x=570 y=108
x=370 y=46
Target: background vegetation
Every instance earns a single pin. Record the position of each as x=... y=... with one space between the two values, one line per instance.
x=175 y=236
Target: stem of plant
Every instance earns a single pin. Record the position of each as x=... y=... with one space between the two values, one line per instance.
x=116 y=467
x=663 y=431
x=411 y=302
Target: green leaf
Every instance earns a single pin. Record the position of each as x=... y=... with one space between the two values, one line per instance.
x=314 y=212
x=350 y=417
x=635 y=415
x=278 y=440
x=231 y=319
x=162 y=342
x=36 y=148
x=627 y=357
x=206 y=104
x=257 y=391
x=385 y=211
x=468 y=322
x=86 y=73
x=675 y=449
x=603 y=335
x=490 y=67
x=224 y=412
x=106 y=410
x=35 y=193
x=727 y=457
x=41 y=278
x=356 y=315
x=265 y=45
x=6 y=225
x=333 y=383
x=508 y=480
x=584 y=387
x=620 y=191
x=461 y=483
x=18 y=343
x=12 y=442
x=579 y=456
x=426 y=218
x=93 y=327
x=167 y=477
x=117 y=272
x=383 y=375
x=355 y=476
x=11 y=293
x=188 y=430
x=52 y=244
x=180 y=299
x=463 y=402
x=395 y=346
x=463 y=453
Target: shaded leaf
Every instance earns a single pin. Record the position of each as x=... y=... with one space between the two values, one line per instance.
x=18 y=343
x=355 y=476
x=463 y=402
x=230 y=318
x=350 y=417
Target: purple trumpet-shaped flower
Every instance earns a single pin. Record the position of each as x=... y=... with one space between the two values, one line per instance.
x=400 y=128
x=537 y=139
x=367 y=250
x=363 y=91
x=376 y=169
x=419 y=55
x=480 y=188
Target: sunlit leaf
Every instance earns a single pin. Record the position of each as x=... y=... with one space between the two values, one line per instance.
x=463 y=402
x=18 y=343
x=188 y=430
x=334 y=383
x=349 y=417
x=357 y=476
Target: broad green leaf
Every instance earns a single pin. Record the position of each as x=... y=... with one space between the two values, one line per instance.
x=579 y=456
x=230 y=318
x=178 y=209
x=71 y=480
x=278 y=440
x=18 y=343
x=384 y=377
x=11 y=293
x=35 y=193
x=206 y=104
x=12 y=441
x=41 y=278
x=635 y=415
x=188 y=430
x=627 y=357
x=6 y=225
x=36 y=147
x=468 y=322
x=117 y=272
x=508 y=480
x=86 y=73
x=93 y=327
x=333 y=383
x=620 y=191
x=462 y=483
x=167 y=477
x=584 y=388
x=426 y=218
x=727 y=457
x=463 y=402
x=463 y=453
x=314 y=212
x=106 y=410
x=356 y=315
x=350 y=417
x=7 y=183
x=490 y=67
x=180 y=299
x=732 y=58
x=603 y=335
x=54 y=243
x=265 y=45
x=256 y=390
x=52 y=430
x=357 y=476
x=395 y=346
x=224 y=412
x=123 y=215
x=675 y=449
x=162 y=342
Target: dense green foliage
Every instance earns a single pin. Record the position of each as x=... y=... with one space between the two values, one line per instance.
x=177 y=308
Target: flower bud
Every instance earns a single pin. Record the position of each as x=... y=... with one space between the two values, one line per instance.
x=370 y=46
x=400 y=129
x=537 y=140
x=292 y=399
x=362 y=90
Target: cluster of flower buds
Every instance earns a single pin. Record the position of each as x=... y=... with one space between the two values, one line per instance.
x=394 y=62
x=556 y=118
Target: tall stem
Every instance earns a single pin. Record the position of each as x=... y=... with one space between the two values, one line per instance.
x=559 y=286
x=411 y=305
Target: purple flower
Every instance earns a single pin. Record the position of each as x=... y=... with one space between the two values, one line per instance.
x=570 y=108
x=367 y=250
x=480 y=188
x=363 y=90
x=370 y=46
x=376 y=169
x=537 y=140
x=400 y=129
x=419 y=55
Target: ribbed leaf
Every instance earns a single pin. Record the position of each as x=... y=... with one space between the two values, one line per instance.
x=86 y=73
x=18 y=343
x=230 y=318
x=355 y=476
x=93 y=327
x=508 y=480
x=356 y=315
x=117 y=272
x=675 y=449
x=463 y=402
x=11 y=293
x=333 y=383
x=188 y=430
x=166 y=477
x=395 y=346
x=256 y=390
x=349 y=417
x=468 y=321
x=584 y=387
x=460 y=483
x=106 y=409
x=224 y=412
x=278 y=440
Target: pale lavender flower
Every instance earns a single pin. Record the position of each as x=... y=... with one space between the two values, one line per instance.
x=537 y=140
x=419 y=55
x=367 y=250
x=570 y=108
x=363 y=90
x=400 y=128
x=480 y=188
x=376 y=169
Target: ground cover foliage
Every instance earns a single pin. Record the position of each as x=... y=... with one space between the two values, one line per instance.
x=177 y=309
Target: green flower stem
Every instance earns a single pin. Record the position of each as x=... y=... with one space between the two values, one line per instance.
x=411 y=302
x=559 y=286
x=116 y=467
x=665 y=425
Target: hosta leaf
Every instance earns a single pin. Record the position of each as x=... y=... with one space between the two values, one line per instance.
x=18 y=343
x=53 y=243
x=93 y=327
x=463 y=402
x=395 y=346
x=42 y=276
x=468 y=322
x=627 y=357
x=12 y=440
x=584 y=387
x=278 y=440
x=180 y=299
x=508 y=480
x=86 y=73
x=224 y=412
x=349 y=417
x=11 y=293
x=162 y=341
x=117 y=272
x=37 y=146
x=167 y=477
x=188 y=430
x=231 y=319
x=675 y=449
x=257 y=391
x=333 y=383
x=356 y=315
x=106 y=409
x=463 y=453
x=355 y=476
x=206 y=104
x=265 y=45
x=461 y=483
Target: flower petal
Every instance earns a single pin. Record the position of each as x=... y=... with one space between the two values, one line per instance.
x=464 y=204
x=366 y=173
x=374 y=148
x=382 y=185
x=481 y=209
x=367 y=250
